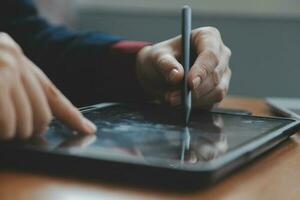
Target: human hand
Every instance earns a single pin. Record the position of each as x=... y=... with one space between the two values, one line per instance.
x=160 y=72
x=28 y=99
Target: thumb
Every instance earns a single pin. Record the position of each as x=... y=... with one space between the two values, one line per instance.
x=170 y=68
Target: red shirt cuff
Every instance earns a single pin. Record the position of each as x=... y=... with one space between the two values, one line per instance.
x=128 y=47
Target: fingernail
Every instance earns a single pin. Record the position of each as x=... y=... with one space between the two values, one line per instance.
x=196 y=82
x=173 y=74
x=89 y=127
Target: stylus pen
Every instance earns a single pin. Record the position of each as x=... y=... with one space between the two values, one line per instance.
x=186 y=97
x=185 y=144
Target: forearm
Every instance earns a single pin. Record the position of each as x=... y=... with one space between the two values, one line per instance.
x=87 y=67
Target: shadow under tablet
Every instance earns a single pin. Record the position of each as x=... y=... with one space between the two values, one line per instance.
x=152 y=137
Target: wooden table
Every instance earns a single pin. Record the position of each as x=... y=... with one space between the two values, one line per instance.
x=274 y=176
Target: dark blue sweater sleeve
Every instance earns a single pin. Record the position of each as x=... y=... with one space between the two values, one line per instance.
x=79 y=63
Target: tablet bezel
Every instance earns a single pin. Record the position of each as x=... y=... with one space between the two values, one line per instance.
x=190 y=174
x=233 y=154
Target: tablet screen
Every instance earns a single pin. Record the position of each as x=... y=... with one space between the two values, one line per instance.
x=154 y=135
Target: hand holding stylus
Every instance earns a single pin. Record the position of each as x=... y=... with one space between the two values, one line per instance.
x=160 y=72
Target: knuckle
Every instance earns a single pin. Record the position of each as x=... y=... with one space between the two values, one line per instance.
x=7 y=59
x=213 y=30
x=163 y=60
x=228 y=51
x=158 y=54
x=199 y=33
x=211 y=55
x=4 y=36
x=8 y=44
x=155 y=53
x=211 y=59
x=208 y=30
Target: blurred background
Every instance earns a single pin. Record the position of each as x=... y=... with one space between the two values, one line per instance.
x=264 y=35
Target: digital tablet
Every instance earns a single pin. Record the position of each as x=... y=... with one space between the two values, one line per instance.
x=148 y=143
x=288 y=107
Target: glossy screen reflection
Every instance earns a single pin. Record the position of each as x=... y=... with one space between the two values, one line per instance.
x=151 y=134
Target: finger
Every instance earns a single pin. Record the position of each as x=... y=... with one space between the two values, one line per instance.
x=62 y=108
x=170 y=68
x=204 y=65
x=24 y=116
x=205 y=87
x=64 y=111
x=7 y=114
x=40 y=107
x=208 y=44
x=213 y=79
x=217 y=94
